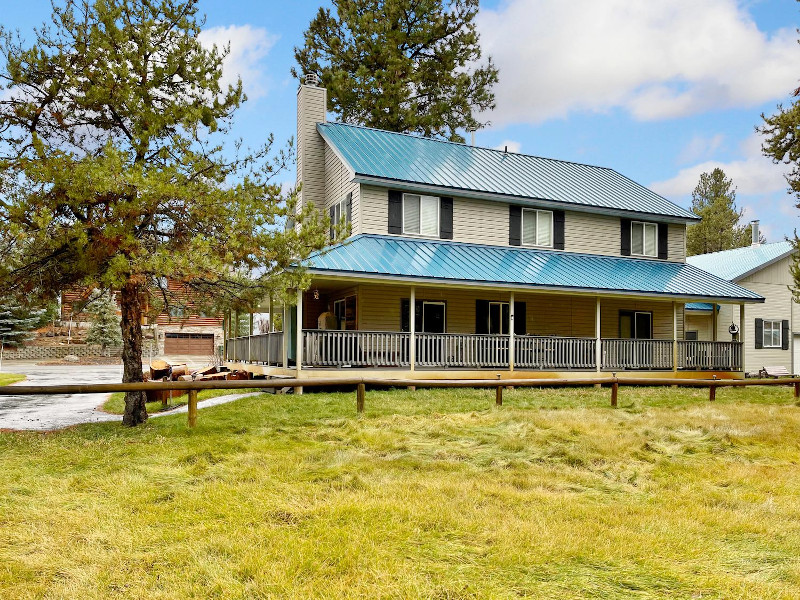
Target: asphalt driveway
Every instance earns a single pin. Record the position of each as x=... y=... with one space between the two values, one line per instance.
x=55 y=412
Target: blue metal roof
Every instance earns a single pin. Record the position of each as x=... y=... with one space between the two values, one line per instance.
x=389 y=257
x=707 y=306
x=740 y=262
x=398 y=157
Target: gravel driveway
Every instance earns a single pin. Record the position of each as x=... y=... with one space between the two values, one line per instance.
x=55 y=412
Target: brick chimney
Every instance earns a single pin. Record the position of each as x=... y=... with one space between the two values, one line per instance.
x=312 y=101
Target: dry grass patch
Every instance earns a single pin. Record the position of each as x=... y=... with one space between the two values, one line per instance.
x=434 y=494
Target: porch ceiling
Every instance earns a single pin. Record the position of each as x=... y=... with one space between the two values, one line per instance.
x=390 y=258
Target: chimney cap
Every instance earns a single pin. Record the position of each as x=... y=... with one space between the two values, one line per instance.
x=311 y=79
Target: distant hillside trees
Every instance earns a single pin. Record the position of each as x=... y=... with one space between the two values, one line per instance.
x=714 y=201
x=411 y=66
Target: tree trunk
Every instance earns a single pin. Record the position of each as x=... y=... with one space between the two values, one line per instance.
x=131 y=304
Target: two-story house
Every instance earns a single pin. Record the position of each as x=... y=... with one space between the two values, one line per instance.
x=470 y=262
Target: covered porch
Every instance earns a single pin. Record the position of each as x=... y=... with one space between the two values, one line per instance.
x=462 y=310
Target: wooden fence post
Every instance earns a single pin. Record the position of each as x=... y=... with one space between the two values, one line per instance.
x=797 y=389
x=192 y=408
x=712 y=393
x=498 y=399
x=614 y=392
x=361 y=392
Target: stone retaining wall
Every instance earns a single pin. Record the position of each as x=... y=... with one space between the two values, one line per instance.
x=41 y=352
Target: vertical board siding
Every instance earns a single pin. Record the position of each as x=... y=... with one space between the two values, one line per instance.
x=486 y=222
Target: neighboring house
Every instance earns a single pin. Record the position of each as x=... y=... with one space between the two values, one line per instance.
x=181 y=332
x=469 y=262
x=771 y=332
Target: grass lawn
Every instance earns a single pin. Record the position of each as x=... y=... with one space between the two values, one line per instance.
x=116 y=402
x=9 y=378
x=430 y=494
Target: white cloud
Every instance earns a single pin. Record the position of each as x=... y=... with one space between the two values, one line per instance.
x=511 y=145
x=248 y=47
x=656 y=59
x=700 y=147
x=752 y=174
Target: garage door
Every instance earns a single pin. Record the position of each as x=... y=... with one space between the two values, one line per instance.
x=189 y=343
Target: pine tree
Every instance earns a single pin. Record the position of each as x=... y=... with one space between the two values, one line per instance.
x=714 y=201
x=17 y=323
x=114 y=172
x=402 y=65
x=104 y=330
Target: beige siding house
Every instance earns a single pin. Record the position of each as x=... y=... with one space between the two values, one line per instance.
x=771 y=333
x=460 y=261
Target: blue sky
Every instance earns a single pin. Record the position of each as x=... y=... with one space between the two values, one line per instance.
x=660 y=90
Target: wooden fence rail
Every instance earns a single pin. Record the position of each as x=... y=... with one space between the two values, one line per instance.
x=361 y=384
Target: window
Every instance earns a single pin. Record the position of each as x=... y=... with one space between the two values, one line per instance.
x=644 y=239
x=635 y=325
x=498 y=317
x=338 y=212
x=421 y=215
x=772 y=334
x=537 y=227
x=345 y=311
x=691 y=336
x=430 y=316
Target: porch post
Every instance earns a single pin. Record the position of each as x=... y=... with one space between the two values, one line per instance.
x=511 y=332
x=250 y=339
x=412 y=328
x=674 y=337
x=269 y=332
x=235 y=335
x=285 y=331
x=299 y=331
x=597 y=350
x=741 y=334
x=713 y=322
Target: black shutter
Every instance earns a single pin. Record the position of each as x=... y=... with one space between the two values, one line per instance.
x=395 y=212
x=558 y=229
x=663 y=241
x=759 y=333
x=349 y=211
x=446 y=219
x=332 y=232
x=481 y=316
x=404 y=324
x=520 y=318
x=784 y=334
x=625 y=237
x=515 y=225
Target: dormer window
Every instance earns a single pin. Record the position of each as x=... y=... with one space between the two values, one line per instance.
x=644 y=239
x=421 y=215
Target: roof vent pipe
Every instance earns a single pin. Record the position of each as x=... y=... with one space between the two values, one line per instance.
x=312 y=79
x=754 y=227
x=472 y=135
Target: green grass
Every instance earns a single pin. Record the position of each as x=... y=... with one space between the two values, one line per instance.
x=429 y=494
x=116 y=402
x=9 y=378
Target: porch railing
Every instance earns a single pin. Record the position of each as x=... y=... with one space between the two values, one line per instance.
x=716 y=356
x=329 y=348
x=626 y=354
x=266 y=348
x=461 y=350
x=554 y=352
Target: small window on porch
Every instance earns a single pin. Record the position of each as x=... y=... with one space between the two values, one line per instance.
x=345 y=311
x=430 y=316
x=635 y=325
x=691 y=336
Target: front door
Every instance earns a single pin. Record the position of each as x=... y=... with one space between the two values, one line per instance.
x=636 y=325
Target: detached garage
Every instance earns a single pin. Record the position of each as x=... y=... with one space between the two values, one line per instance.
x=189 y=343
